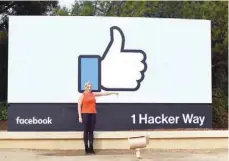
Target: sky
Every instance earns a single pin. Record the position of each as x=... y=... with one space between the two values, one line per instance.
x=66 y=3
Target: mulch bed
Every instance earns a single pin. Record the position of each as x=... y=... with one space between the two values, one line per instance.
x=3 y=125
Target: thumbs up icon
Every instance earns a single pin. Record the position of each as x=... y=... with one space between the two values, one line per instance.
x=118 y=69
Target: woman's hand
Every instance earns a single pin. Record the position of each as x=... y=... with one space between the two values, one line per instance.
x=80 y=119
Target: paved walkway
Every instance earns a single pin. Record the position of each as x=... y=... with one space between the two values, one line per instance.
x=113 y=155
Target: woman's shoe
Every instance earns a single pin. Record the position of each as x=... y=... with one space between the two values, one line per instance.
x=87 y=151
x=91 y=150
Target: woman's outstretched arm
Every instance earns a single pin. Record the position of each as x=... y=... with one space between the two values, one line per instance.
x=105 y=94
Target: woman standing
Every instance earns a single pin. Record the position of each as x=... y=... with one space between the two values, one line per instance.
x=87 y=115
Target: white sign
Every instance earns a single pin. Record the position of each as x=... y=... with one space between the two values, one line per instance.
x=147 y=60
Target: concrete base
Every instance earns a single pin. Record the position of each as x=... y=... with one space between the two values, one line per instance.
x=116 y=140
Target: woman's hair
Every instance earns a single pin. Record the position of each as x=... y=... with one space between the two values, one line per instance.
x=87 y=83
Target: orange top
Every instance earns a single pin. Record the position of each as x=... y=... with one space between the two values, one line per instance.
x=88 y=103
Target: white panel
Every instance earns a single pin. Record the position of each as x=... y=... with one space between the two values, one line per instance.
x=43 y=57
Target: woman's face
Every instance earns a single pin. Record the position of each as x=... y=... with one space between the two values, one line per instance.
x=88 y=88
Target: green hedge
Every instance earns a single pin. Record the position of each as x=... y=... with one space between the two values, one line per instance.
x=3 y=111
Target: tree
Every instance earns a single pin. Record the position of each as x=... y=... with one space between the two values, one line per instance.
x=24 y=8
x=61 y=11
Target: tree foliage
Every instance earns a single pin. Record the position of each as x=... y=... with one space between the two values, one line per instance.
x=216 y=11
x=24 y=8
